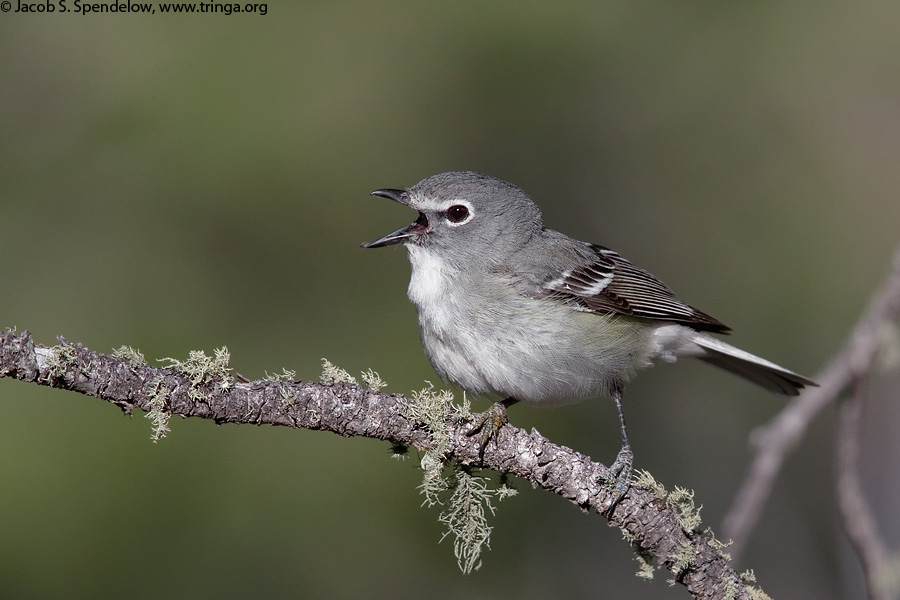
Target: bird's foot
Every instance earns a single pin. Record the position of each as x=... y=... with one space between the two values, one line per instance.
x=488 y=423
x=619 y=476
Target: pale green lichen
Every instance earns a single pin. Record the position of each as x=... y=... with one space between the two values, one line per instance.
x=644 y=559
x=682 y=558
x=159 y=418
x=731 y=589
x=434 y=410
x=683 y=500
x=465 y=513
x=134 y=357
x=203 y=369
x=373 y=380
x=466 y=517
x=757 y=594
x=283 y=377
x=333 y=374
x=287 y=396
x=466 y=510
x=464 y=408
x=60 y=360
x=433 y=481
x=644 y=479
x=680 y=498
x=719 y=546
x=642 y=556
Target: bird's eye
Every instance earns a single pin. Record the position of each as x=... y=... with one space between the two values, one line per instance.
x=457 y=213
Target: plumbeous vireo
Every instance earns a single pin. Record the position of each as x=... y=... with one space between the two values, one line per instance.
x=512 y=309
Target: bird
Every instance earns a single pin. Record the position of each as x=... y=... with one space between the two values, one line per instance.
x=508 y=308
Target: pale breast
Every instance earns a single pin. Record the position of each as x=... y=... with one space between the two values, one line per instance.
x=486 y=337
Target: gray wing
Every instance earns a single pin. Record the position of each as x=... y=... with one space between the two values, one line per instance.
x=606 y=283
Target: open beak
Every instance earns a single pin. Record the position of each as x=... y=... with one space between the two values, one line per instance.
x=404 y=233
x=400 y=196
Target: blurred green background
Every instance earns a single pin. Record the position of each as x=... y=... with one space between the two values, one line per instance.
x=186 y=182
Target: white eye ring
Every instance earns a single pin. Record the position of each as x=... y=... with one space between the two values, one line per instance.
x=458 y=213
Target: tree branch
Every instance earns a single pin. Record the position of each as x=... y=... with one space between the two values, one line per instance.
x=656 y=528
x=856 y=513
x=774 y=440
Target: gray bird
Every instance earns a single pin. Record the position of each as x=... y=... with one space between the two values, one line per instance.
x=511 y=309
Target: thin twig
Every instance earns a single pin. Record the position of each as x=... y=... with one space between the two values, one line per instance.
x=856 y=513
x=776 y=439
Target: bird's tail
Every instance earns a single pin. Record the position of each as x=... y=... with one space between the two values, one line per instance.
x=752 y=368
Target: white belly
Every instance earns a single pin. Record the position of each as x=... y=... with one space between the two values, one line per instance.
x=490 y=340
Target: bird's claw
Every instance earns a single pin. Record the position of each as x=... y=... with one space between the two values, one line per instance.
x=619 y=476
x=488 y=423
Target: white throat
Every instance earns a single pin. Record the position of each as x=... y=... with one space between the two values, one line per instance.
x=430 y=277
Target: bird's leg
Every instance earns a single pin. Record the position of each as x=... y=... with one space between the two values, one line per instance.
x=620 y=471
x=489 y=423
